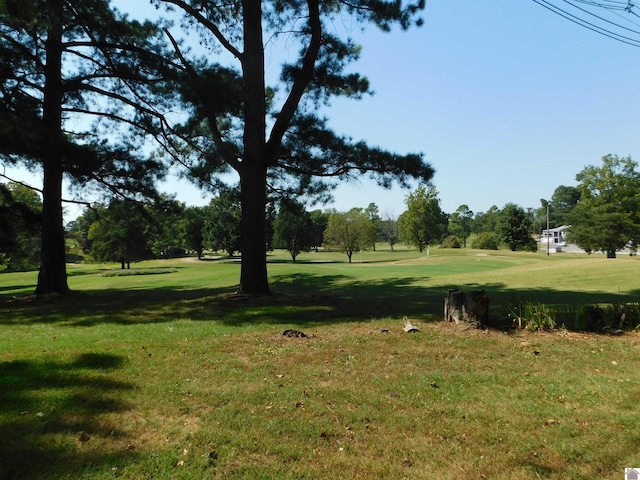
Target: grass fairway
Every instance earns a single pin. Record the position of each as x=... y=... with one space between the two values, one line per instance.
x=172 y=376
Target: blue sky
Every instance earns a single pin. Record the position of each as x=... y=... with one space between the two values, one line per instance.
x=505 y=99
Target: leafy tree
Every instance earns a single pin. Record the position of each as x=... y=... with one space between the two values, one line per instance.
x=165 y=216
x=373 y=213
x=424 y=221
x=272 y=136
x=486 y=221
x=122 y=234
x=20 y=217
x=563 y=201
x=389 y=230
x=222 y=223
x=319 y=222
x=191 y=229
x=71 y=81
x=349 y=232
x=460 y=223
x=293 y=229
x=513 y=227
x=607 y=217
x=79 y=228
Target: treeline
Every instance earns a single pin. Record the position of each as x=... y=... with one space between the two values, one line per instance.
x=603 y=211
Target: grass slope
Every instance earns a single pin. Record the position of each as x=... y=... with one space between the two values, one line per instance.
x=172 y=376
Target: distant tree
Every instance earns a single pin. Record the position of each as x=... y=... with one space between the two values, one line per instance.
x=485 y=221
x=79 y=228
x=222 y=222
x=349 y=232
x=607 y=216
x=20 y=217
x=539 y=216
x=601 y=228
x=563 y=201
x=460 y=223
x=319 y=222
x=513 y=227
x=191 y=229
x=165 y=215
x=121 y=233
x=389 y=230
x=423 y=222
x=292 y=228
x=373 y=213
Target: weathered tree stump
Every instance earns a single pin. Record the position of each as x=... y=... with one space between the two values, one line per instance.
x=471 y=308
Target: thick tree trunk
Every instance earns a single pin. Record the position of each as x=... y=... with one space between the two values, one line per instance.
x=52 y=277
x=253 y=168
x=253 y=270
x=471 y=308
x=454 y=306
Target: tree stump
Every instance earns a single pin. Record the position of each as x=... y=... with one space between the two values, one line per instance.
x=471 y=308
x=454 y=306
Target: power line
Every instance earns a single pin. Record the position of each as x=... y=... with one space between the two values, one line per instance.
x=603 y=28
x=600 y=18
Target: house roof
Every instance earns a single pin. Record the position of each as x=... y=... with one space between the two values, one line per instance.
x=557 y=229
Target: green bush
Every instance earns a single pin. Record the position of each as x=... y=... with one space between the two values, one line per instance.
x=532 y=316
x=485 y=241
x=524 y=314
x=451 y=241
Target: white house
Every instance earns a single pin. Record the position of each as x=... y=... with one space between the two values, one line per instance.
x=555 y=236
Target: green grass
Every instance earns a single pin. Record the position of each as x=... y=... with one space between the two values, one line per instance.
x=173 y=376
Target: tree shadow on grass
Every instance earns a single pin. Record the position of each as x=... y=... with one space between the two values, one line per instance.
x=300 y=299
x=52 y=416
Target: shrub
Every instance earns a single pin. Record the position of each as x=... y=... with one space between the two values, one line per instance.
x=485 y=241
x=452 y=241
x=532 y=316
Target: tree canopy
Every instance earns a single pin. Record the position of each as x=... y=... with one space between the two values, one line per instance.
x=121 y=233
x=513 y=227
x=293 y=228
x=221 y=227
x=424 y=221
x=272 y=135
x=349 y=232
x=77 y=78
x=20 y=217
x=460 y=223
x=607 y=217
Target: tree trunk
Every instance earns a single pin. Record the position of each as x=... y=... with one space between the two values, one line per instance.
x=454 y=306
x=472 y=308
x=477 y=307
x=52 y=277
x=253 y=168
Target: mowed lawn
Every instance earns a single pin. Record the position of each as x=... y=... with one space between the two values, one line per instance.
x=168 y=374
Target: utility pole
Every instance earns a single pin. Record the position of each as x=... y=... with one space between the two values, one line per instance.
x=548 y=228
